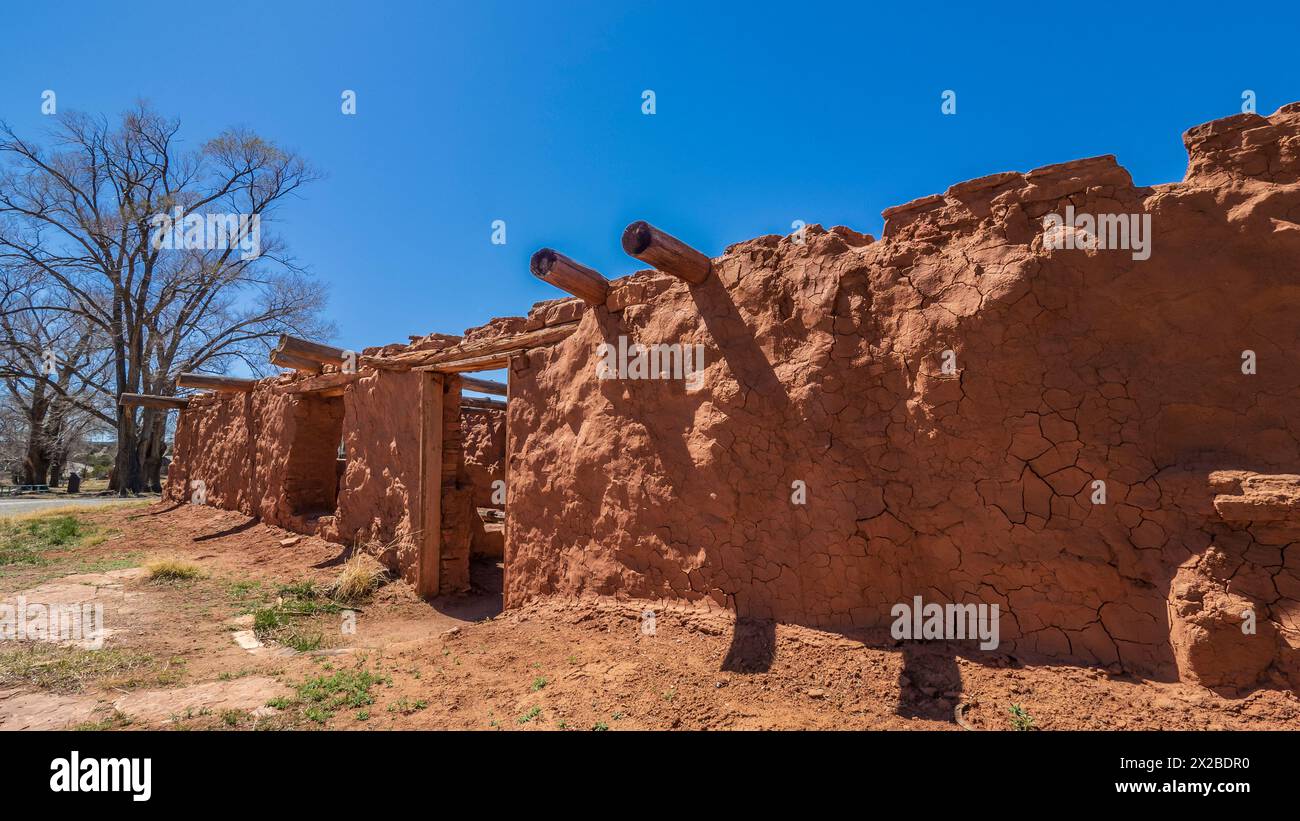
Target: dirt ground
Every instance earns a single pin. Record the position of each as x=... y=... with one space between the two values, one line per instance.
x=185 y=654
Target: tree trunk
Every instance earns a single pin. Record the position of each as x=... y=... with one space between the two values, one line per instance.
x=151 y=448
x=36 y=462
x=127 y=475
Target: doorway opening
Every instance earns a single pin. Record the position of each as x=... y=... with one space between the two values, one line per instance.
x=314 y=465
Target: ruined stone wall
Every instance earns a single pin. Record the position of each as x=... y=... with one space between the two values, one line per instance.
x=825 y=361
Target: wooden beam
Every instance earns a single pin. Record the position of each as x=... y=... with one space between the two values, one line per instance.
x=228 y=384
x=327 y=384
x=471 y=383
x=146 y=400
x=297 y=363
x=488 y=354
x=474 y=403
x=557 y=269
x=666 y=252
x=304 y=349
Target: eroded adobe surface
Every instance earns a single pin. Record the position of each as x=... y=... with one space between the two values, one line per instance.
x=824 y=366
x=273 y=455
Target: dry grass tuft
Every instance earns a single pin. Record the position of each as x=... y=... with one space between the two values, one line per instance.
x=173 y=570
x=361 y=576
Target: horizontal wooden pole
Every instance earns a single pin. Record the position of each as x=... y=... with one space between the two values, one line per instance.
x=315 y=351
x=471 y=383
x=146 y=400
x=474 y=403
x=498 y=350
x=215 y=383
x=328 y=384
x=666 y=252
x=297 y=363
x=487 y=362
x=586 y=284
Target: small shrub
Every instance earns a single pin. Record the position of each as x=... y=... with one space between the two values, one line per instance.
x=1021 y=719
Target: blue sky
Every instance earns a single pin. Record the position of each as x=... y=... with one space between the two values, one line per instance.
x=531 y=113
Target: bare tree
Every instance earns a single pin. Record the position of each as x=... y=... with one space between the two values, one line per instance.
x=54 y=364
x=162 y=250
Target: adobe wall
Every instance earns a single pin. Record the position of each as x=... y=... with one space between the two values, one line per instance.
x=268 y=453
x=824 y=366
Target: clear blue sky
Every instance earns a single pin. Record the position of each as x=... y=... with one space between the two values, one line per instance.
x=767 y=112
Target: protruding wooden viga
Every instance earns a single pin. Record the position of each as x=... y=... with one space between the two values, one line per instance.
x=146 y=400
x=557 y=269
x=297 y=363
x=665 y=252
x=215 y=383
x=313 y=351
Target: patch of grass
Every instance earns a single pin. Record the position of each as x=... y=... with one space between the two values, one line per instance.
x=363 y=715
x=405 y=706
x=529 y=716
x=599 y=727
x=67 y=669
x=322 y=696
x=303 y=642
x=25 y=541
x=360 y=577
x=299 y=600
x=539 y=683
x=232 y=718
x=267 y=620
x=105 y=565
x=173 y=570
x=1021 y=719
x=231 y=675
x=117 y=720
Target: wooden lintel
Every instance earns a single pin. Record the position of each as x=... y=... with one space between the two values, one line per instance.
x=487 y=362
x=146 y=400
x=213 y=382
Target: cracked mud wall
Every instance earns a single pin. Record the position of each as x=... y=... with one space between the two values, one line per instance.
x=824 y=365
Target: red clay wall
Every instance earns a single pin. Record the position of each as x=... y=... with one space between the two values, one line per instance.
x=269 y=454
x=824 y=366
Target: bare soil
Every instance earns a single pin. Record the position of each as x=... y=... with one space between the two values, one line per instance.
x=175 y=657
